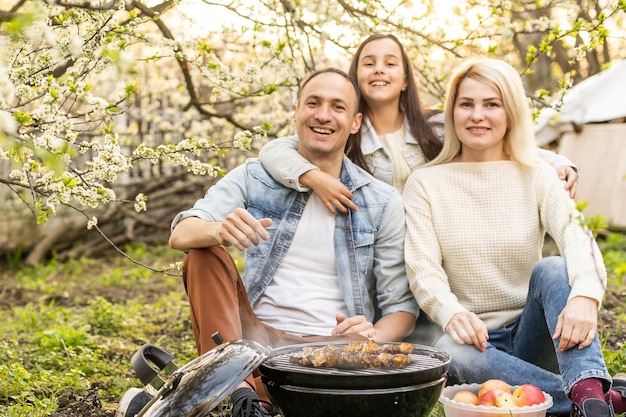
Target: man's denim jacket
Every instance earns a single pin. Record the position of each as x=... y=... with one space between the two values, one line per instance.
x=369 y=243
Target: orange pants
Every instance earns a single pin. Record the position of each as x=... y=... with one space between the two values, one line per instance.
x=219 y=303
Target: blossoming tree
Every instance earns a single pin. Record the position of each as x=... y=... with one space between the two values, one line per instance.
x=123 y=112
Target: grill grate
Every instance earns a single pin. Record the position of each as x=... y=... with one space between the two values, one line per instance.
x=418 y=363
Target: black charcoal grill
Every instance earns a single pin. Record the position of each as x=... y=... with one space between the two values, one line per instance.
x=296 y=390
x=302 y=391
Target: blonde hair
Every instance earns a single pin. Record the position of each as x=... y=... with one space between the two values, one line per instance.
x=519 y=141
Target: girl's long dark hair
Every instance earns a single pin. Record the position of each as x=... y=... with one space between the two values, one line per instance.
x=410 y=104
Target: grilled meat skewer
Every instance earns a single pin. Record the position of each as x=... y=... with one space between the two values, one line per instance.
x=356 y=355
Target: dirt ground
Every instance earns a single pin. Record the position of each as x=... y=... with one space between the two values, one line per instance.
x=89 y=406
x=609 y=324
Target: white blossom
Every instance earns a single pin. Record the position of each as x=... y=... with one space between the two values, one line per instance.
x=7 y=122
x=75 y=46
x=93 y=221
x=140 y=203
x=24 y=92
x=50 y=206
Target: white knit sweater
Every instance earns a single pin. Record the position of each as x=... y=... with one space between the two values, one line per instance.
x=475 y=231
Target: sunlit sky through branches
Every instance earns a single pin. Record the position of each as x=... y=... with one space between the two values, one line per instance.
x=209 y=16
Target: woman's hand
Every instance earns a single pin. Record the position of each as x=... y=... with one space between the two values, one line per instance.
x=570 y=176
x=577 y=324
x=330 y=190
x=467 y=328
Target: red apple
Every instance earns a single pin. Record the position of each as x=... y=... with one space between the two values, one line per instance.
x=499 y=398
x=528 y=394
x=466 y=397
x=505 y=399
x=493 y=384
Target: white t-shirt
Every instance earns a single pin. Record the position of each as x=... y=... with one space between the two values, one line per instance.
x=304 y=297
x=393 y=144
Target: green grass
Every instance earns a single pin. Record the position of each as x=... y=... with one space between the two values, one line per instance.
x=70 y=328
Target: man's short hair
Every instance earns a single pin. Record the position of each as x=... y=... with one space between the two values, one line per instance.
x=332 y=70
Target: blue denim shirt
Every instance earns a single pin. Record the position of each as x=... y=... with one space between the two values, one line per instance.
x=369 y=243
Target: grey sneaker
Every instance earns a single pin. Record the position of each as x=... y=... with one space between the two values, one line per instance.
x=133 y=401
x=592 y=407
x=247 y=404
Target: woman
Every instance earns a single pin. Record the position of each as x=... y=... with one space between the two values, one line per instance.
x=476 y=217
x=396 y=135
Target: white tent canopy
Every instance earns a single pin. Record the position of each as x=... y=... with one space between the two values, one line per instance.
x=599 y=98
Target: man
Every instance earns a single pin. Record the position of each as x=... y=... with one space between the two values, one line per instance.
x=310 y=275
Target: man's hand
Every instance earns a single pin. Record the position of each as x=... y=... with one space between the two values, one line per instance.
x=241 y=230
x=467 y=328
x=356 y=324
x=332 y=192
x=567 y=174
x=577 y=324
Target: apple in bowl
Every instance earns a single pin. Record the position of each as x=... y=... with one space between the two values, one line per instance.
x=528 y=394
x=466 y=397
x=498 y=398
x=492 y=385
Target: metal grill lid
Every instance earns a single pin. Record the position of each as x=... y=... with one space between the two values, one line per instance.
x=201 y=384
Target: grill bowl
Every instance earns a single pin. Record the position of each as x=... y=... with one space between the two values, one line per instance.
x=456 y=409
x=427 y=365
x=301 y=391
x=410 y=401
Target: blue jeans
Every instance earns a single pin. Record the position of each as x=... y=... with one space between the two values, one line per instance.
x=524 y=351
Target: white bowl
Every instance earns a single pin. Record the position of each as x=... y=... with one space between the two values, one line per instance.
x=456 y=409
